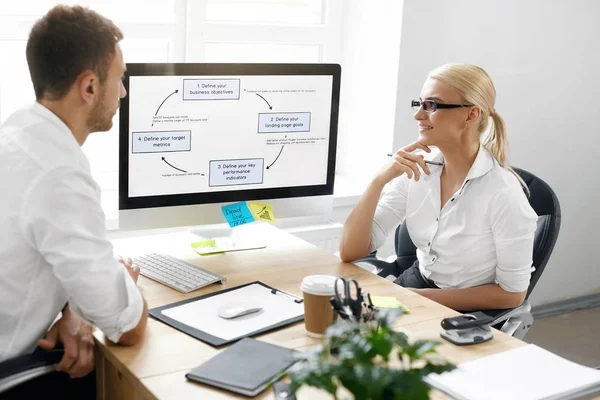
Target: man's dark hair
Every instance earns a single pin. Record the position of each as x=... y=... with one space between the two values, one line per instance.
x=66 y=42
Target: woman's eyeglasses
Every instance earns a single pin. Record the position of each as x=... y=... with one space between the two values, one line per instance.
x=430 y=106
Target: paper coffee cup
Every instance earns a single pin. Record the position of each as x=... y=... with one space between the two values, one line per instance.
x=318 y=313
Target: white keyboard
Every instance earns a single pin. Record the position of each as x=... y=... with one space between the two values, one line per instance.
x=174 y=272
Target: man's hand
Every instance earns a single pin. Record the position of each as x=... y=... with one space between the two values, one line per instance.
x=133 y=270
x=76 y=337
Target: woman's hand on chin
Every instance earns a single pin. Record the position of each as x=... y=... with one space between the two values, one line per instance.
x=404 y=162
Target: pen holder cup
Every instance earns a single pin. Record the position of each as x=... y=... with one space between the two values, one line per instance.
x=317 y=290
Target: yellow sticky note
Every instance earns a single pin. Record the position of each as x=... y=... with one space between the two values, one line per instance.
x=262 y=211
x=388 y=302
x=204 y=247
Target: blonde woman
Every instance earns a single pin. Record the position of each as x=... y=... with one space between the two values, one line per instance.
x=465 y=209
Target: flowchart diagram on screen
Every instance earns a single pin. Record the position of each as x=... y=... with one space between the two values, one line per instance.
x=192 y=134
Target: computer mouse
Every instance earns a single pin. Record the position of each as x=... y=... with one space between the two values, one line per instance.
x=235 y=310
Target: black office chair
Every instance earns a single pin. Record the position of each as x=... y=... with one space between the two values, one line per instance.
x=23 y=369
x=34 y=376
x=517 y=321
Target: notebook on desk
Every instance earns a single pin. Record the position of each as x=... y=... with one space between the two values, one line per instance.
x=525 y=373
x=246 y=367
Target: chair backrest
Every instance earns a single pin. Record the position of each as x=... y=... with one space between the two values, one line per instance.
x=544 y=202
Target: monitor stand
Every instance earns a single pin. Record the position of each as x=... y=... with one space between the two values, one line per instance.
x=230 y=239
x=212 y=231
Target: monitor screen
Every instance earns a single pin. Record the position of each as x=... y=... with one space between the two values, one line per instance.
x=211 y=134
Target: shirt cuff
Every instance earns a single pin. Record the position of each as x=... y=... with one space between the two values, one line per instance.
x=127 y=319
x=514 y=282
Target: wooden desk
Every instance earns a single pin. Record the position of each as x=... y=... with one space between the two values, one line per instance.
x=156 y=367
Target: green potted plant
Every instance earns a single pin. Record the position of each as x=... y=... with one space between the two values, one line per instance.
x=357 y=357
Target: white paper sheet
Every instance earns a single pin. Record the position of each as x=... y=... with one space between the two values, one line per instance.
x=203 y=314
x=525 y=373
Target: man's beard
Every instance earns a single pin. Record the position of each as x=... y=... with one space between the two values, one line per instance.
x=100 y=119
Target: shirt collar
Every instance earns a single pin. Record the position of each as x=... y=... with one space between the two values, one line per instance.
x=484 y=162
x=65 y=137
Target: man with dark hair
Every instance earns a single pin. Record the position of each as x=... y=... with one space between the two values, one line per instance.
x=53 y=246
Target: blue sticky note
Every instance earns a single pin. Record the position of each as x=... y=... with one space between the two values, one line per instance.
x=237 y=214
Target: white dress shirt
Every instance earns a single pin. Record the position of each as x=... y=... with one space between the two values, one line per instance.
x=53 y=245
x=483 y=234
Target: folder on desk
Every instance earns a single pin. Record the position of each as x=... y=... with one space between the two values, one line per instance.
x=525 y=373
x=198 y=316
x=246 y=367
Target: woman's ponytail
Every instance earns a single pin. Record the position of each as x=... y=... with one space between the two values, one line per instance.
x=495 y=141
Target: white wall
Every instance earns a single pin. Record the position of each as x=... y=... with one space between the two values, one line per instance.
x=544 y=58
x=370 y=51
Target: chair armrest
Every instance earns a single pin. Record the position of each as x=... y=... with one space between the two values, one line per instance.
x=21 y=369
x=382 y=267
x=503 y=315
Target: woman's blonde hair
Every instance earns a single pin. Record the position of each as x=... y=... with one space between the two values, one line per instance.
x=475 y=86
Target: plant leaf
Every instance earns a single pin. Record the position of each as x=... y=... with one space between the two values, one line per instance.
x=418 y=349
x=436 y=368
x=399 y=339
x=317 y=375
x=380 y=346
x=423 y=347
x=342 y=328
x=387 y=317
x=357 y=384
x=409 y=385
x=355 y=349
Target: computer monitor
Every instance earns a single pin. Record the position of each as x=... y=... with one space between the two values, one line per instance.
x=194 y=137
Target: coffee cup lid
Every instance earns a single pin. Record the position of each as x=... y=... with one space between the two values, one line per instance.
x=319 y=285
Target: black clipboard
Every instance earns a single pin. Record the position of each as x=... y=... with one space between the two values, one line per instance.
x=157 y=314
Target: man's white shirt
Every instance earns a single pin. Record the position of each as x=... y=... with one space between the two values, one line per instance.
x=53 y=245
x=483 y=234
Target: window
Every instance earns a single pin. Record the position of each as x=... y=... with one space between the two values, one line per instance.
x=175 y=31
x=307 y=12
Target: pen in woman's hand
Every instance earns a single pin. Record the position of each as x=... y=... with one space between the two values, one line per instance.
x=426 y=161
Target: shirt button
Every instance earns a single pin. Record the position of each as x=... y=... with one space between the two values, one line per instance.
x=437 y=219
x=429 y=244
x=452 y=200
